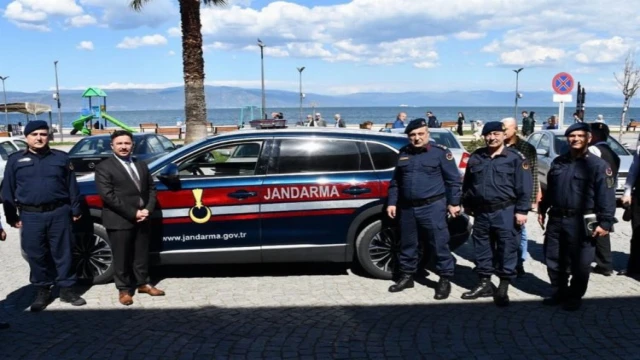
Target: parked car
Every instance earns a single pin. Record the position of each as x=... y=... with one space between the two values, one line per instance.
x=551 y=143
x=91 y=150
x=7 y=147
x=252 y=196
x=447 y=138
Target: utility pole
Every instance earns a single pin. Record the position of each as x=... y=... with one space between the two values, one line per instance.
x=515 y=116
x=264 y=106
x=4 y=91
x=300 y=69
x=57 y=98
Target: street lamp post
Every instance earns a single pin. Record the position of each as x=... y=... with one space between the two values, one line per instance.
x=517 y=93
x=264 y=107
x=300 y=69
x=6 y=113
x=57 y=97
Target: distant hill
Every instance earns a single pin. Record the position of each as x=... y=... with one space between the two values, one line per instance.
x=234 y=97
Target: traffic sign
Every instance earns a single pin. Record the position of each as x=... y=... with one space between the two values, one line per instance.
x=562 y=83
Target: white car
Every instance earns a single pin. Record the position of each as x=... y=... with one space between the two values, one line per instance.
x=7 y=147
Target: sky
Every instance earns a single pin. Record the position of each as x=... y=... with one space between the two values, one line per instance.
x=345 y=46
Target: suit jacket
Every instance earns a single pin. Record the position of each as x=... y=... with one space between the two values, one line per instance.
x=340 y=123
x=120 y=194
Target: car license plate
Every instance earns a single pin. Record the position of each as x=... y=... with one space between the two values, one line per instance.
x=621 y=183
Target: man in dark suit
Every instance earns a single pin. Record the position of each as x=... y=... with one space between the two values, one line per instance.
x=129 y=197
x=599 y=147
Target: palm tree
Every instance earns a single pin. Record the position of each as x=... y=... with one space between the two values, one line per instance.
x=195 y=106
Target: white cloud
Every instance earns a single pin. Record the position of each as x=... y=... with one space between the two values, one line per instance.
x=531 y=56
x=268 y=50
x=28 y=26
x=138 y=41
x=602 y=51
x=16 y=11
x=171 y=53
x=53 y=7
x=216 y=45
x=118 y=14
x=174 y=32
x=425 y=65
x=81 y=20
x=466 y=35
x=85 y=45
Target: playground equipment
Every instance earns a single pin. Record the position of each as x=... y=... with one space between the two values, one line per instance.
x=85 y=122
x=248 y=110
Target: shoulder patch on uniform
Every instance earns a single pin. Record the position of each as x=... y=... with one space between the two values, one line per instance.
x=449 y=155
x=608 y=172
x=525 y=165
x=24 y=160
x=517 y=152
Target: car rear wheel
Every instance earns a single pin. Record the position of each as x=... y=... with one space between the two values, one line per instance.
x=93 y=258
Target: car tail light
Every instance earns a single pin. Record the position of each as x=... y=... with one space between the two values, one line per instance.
x=464 y=160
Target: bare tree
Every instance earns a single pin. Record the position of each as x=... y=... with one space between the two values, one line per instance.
x=629 y=83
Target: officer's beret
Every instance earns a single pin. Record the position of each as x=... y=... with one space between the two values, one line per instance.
x=577 y=127
x=415 y=124
x=35 y=125
x=600 y=128
x=492 y=126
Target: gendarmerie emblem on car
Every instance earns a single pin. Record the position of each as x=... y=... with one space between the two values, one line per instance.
x=199 y=214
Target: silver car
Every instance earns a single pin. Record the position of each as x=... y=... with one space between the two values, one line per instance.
x=551 y=143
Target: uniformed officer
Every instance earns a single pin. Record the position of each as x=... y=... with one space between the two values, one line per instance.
x=426 y=184
x=497 y=191
x=578 y=184
x=600 y=147
x=40 y=183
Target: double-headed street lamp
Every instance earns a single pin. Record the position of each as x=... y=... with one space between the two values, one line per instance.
x=57 y=98
x=6 y=113
x=300 y=69
x=264 y=107
x=518 y=95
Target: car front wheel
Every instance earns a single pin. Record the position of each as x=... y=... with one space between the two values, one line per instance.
x=93 y=258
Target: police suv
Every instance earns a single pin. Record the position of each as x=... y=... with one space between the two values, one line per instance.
x=258 y=196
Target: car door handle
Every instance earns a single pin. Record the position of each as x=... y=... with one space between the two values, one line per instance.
x=242 y=194
x=356 y=190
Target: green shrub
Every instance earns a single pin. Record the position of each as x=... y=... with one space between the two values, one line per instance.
x=472 y=145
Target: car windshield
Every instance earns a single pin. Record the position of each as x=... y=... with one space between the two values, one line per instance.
x=445 y=138
x=561 y=146
x=92 y=146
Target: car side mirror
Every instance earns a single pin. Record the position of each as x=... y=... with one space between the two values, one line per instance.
x=542 y=152
x=170 y=176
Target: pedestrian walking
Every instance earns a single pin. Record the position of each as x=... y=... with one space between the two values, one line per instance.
x=460 y=124
x=129 y=197
x=580 y=187
x=41 y=197
x=425 y=188
x=497 y=191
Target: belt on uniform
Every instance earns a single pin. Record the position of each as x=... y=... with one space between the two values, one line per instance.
x=422 y=202
x=563 y=212
x=41 y=208
x=493 y=207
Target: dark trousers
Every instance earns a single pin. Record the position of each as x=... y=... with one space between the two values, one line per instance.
x=429 y=222
x=495 y=243
x=603 y=253
x=633 y=265
x=130 y=256
x=48 y=241
x=567 y=247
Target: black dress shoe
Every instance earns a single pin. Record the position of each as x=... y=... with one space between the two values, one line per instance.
x=43 y=299
x=501 y=298
x=405 y=282
x=602 y=271
x=483 y=289
x=4 y=325
x=572 y=305
x=69 y=296
x=443 y=289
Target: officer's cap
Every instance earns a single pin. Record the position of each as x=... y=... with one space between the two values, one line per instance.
x=600 y=128
x=35 y=125
x=415 y=124
x=492 y=126
x=577 y=127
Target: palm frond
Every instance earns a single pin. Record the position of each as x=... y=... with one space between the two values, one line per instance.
x=138 y=4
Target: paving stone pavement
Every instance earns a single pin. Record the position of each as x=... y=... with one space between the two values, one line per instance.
x=321 y=311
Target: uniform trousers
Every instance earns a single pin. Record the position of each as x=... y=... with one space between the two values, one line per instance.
x=47 y=239
x=568 y=249
x=495 y=243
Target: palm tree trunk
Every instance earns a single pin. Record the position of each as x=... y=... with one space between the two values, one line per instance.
x=193 y=67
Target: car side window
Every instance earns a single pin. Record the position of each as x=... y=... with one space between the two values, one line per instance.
x=383 y=157
x=533 y=140
x=545 y=143
x=154 y=145
x=222 y=160
x=6 y=148
x=20 y=144
x=294 y=156
x=166 y=143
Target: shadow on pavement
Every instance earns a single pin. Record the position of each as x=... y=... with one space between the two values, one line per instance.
x=604 y=329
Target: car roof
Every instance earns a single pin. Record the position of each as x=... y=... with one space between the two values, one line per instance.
x=135 y=135
x=334 y=132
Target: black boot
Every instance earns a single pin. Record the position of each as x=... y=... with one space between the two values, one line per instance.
x=69 y=296
x=483 y=289
x=43 y=299
x=443 y=289
x=501 y=298
x=520 y=269
x=405 y=282
x=558 y=298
